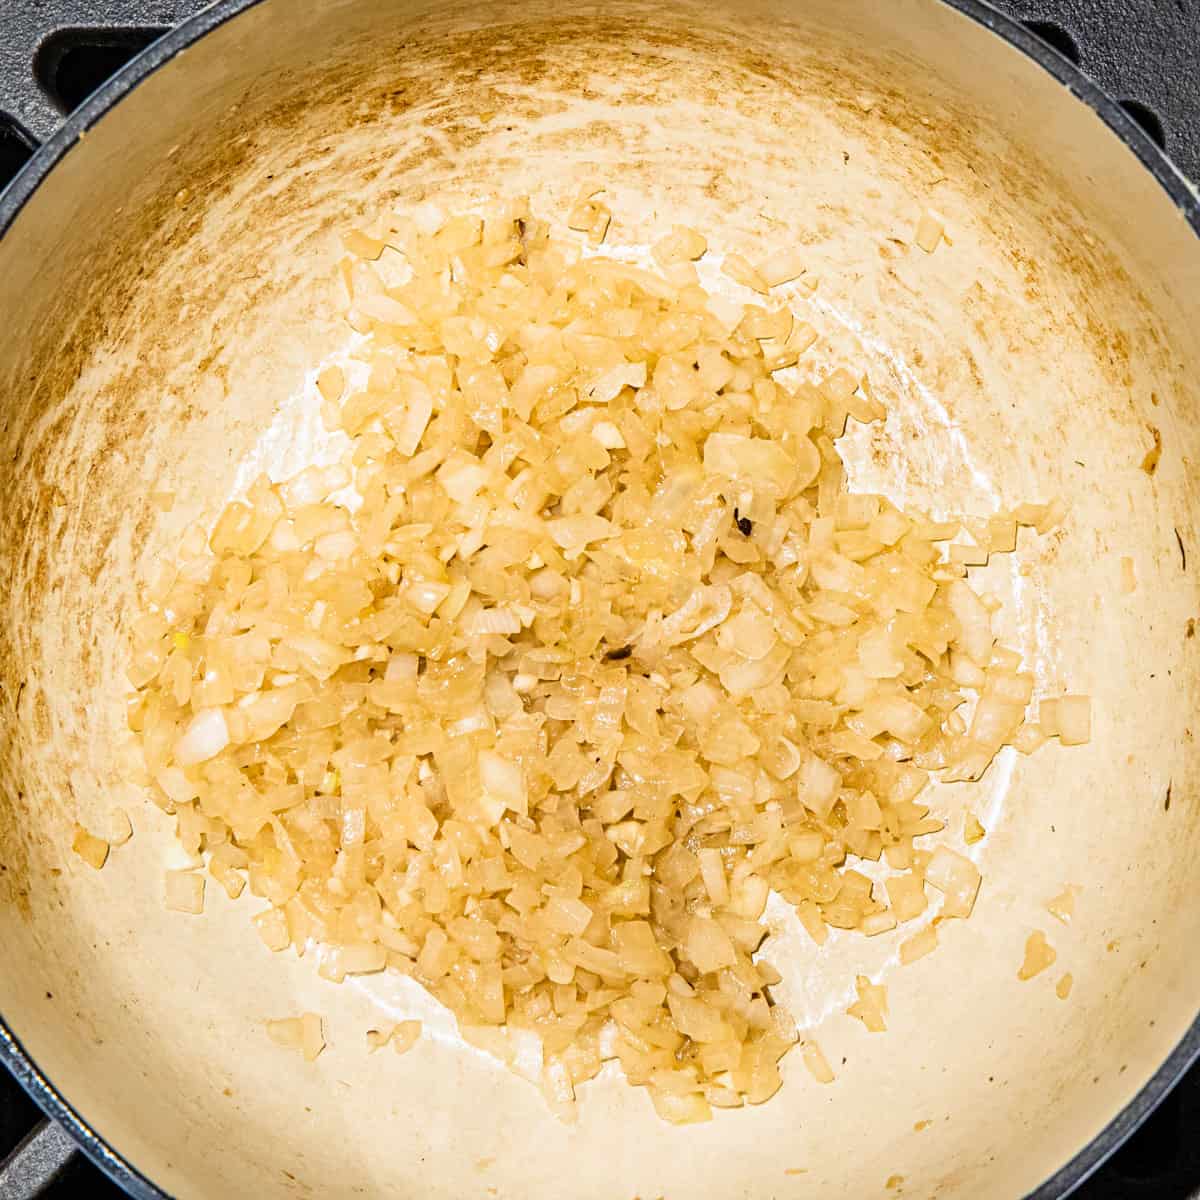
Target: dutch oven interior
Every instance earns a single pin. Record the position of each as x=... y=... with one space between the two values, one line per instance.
x=166 y=291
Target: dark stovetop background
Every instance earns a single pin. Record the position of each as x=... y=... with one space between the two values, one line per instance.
x=1161 y=1161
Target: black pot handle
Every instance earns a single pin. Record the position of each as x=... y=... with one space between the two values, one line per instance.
x=37 y=1162
x=29 y=29
x=1143 y=53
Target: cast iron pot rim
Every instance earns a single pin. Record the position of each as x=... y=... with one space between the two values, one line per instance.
x=17 y=1059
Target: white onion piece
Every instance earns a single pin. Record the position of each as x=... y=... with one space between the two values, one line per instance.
x=957 y=878
x=1074 y=720
x=819 y=784
x=491 y=621
x=185 y=892
x=402 y=667
x=706 y=608
x=755 y=460
x=205 y=737
x=503 y=784
x=608 y=386
x=418 y=410
x=974 y=619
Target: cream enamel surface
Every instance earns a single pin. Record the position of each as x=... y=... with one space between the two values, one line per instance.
x=1052 y=332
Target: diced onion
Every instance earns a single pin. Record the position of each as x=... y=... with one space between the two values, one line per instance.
x=93 y=850
x=816 y=1062
x=929 y=232
x=1062 y=906
x=1074 y=720
x=957 y=878
x=1039 y=955
x=782 y=268
x=919 y=945
x=120 y=827
x=304 y=1034
x=205 y=737
x=739 y=270
x=185 y=892
x=405 y=1036
x=871 y=1006
x=579 y=653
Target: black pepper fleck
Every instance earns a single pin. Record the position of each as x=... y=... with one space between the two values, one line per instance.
x=744 y=524
x=618 y=655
